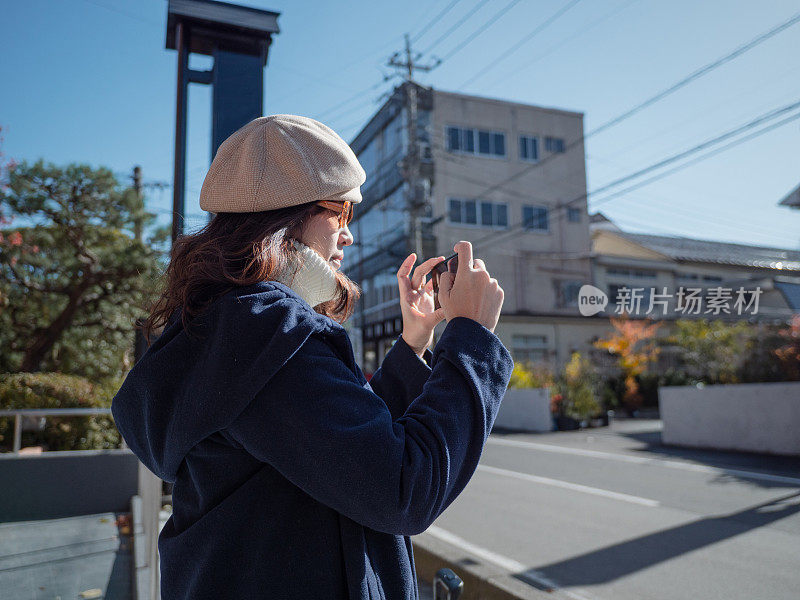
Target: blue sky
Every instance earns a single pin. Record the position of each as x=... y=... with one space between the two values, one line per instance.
x=90 y=81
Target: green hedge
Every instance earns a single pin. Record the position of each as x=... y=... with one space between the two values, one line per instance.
x=57 y=390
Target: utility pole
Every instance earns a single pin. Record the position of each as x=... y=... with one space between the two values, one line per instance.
x=415 y=200
x=137 y=185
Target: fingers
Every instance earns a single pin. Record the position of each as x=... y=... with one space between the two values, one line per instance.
x=404 y=271
x=445 y=284
x=406 y=265
x=464 y=249
x=424 y=269
x=479 y=264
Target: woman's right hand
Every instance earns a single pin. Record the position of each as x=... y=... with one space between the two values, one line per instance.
x=470 y=292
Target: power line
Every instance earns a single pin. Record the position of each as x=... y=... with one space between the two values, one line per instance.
x=659 y=96
x=434 y=20
x=768 y=116
x=699 y=159
x=698 y=73
x=482 y=28
x=461 y=21
x=525 y=39
x=746 y=127
x=517 y=70
x=689 y=215
x=693 y=212
x=559 y=211
x=355 y=96
x=728 y=99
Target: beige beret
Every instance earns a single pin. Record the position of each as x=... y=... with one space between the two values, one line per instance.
x=278 y=161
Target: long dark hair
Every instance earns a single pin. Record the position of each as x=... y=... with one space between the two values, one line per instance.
x=234 y=250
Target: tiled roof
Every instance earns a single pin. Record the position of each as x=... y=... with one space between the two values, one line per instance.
x=692 y=250
x=790 y=291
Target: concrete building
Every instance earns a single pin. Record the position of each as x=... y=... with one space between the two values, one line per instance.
x=529 y=225
x=511 y=179
x=660 y=266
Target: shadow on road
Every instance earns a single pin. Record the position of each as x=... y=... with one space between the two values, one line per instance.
x=625 y=558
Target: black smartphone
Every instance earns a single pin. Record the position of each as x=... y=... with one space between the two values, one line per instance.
x=448 y=264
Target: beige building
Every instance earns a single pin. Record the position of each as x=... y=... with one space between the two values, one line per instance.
x=508 y=177
x=727 y=281
x=511 y=179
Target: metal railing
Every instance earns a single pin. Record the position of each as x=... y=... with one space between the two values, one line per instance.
x=18 y=413
x=152 y=500
x=149 y=490
x=447 y=585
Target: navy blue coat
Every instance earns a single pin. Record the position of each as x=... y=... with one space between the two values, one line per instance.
x=293 y=476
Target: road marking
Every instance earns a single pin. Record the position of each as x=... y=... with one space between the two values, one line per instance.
x=504 y=562
x=672 y=464
x=571 y=486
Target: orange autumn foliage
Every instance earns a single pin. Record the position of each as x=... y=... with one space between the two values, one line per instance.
x=633 y=343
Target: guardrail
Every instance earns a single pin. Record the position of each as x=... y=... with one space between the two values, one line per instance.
x=150 y=498
x=150 y=501
x=18 y=413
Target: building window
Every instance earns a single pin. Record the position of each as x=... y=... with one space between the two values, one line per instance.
x=499 y=144
x=639 y=273
x=494 y=214
x=462 y=211
x=528 y=148
x=470 y=212
x=567 y=293
x=554 y=144
x=453 y=139
x=535 y=218
x=454 y=211
x=686 y=276
x=462 y=139
x=502 y=215
x=531 y=348
x=573 y=215
x=487 y=213
x=484 y=142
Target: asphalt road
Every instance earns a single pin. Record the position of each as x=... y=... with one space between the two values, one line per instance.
x=610 y=513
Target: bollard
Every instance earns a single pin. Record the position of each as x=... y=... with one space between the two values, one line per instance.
x=447 y=585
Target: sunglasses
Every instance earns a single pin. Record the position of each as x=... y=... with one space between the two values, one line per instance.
x=344 y=210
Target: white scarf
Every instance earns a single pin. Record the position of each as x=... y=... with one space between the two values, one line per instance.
x=315 y=281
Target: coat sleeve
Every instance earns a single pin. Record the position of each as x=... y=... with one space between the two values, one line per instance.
x=401 y=376
x=337 y=441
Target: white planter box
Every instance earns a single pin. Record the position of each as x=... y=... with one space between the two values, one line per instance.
x=525 y=409
x=755 y=417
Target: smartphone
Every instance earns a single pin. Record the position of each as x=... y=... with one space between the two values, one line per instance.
x=448 y=264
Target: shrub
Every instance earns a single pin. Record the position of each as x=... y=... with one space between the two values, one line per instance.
x=57 y=390
x=577 y=386
x=529 y=375
x=633 y=343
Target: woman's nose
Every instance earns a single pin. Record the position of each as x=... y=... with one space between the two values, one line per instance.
x=348 y=236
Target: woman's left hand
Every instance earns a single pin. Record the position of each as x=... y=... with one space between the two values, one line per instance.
x=416 y=303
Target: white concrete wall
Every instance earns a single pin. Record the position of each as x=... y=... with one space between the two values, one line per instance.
x=755 y=417
x=525 y=409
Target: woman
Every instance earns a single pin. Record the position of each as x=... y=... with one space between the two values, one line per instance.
x=293 y=476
